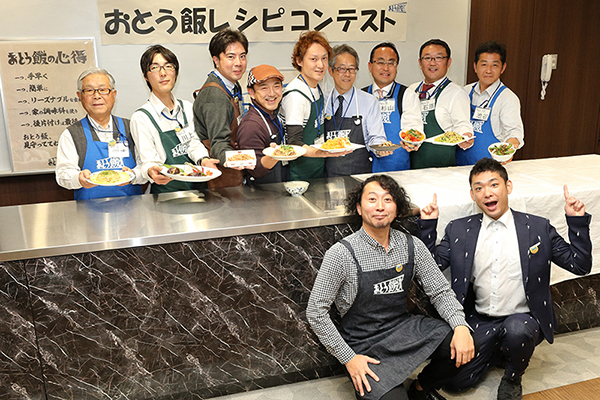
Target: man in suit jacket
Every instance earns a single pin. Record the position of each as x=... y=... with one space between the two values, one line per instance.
x=500 y=264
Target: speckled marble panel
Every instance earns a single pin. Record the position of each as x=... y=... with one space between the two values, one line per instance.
x=179 y=321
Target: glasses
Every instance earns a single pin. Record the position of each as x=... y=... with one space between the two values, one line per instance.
x=91 y=92
x=428 y=59
x=167 y=67
x=342 y=70
x=381 y=63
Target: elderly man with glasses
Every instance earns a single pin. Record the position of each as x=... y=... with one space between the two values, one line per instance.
x=98 y=142
x=352 y=114
x=400 y=108
x=444 y=107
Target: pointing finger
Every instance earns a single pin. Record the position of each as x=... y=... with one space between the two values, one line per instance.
x=434 y=199
x=566 y=192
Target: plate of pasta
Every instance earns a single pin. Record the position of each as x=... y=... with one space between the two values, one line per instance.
x=284 y=152
x=110 y=177
x=337 y=145
x=448 y=139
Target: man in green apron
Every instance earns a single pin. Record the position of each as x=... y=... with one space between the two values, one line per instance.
x=444 y=107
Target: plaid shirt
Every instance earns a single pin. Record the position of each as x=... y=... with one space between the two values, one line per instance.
x=337 y=281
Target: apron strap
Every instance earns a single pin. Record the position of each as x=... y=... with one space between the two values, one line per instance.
x=151 y=119
x=351 y=250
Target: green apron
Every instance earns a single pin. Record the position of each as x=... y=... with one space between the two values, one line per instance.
x=169 y=141
x=309 y=167
x=433 y=155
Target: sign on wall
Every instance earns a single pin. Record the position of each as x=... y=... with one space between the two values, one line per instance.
x=39 y=84
x=188 y=21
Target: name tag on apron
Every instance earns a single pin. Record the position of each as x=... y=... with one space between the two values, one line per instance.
x=118 y=150
x=183 y=135
x=427 y=105
x=387 y=106
x=481 y=114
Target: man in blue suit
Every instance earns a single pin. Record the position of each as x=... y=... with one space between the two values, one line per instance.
x=500 y=264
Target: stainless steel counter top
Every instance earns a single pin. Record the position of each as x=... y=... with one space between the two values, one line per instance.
x=51 y=229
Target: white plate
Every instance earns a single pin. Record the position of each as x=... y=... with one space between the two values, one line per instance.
x=130 y=174
x=215 y=173
x=300 y=151
x=432 y=140
x=379 y=147
x=353 y=146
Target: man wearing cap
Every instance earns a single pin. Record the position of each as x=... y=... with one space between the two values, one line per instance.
x=261 y=125
x=400 y=108
x=100 y=141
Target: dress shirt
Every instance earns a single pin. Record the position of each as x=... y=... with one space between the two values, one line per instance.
x=411 y=107
x=337 y=282
x=67 y=158
x=367 y=106
x=147 y=138
x=497 y=275
x=228 y=84
x=452 y=110
x=506 y=113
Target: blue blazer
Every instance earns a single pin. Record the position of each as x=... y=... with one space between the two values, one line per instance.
x=457 y=250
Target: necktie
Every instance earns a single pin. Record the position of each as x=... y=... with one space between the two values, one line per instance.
x=380 y=93
x=338 y=112
x=424 y=89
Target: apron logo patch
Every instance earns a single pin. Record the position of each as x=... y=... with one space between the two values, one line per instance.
x=390 y=286
x=399 y=268
x=180 y=150
x=478 y=126
x=110 y=163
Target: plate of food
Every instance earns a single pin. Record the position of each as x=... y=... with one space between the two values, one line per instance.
x=412 y=138
x=501 y=151
x=448 y=139
x=337 y=145
x=284 y=152
x=111 y=177
x=386 y=146
x=240 y=158
x=189 y=172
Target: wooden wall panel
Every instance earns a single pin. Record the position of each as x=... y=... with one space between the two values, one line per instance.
x=29 y=189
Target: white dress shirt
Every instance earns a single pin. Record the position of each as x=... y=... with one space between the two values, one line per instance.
x=497 y=275
x=506 y=113
x=453 y=109
x=67 y=158
x=411 y=107
x=357 y=102
x=147 y=139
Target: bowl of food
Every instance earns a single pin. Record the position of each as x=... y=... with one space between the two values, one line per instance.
x=296 y=188
x=412 y=139
x=501 y=151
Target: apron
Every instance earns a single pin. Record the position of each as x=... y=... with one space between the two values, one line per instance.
x=391 y=113
x=310 y=167
x=379 y=325
x=229 y=177
x=97 y=151
x=483 y=130
x=433 y=155
x=176 y=154
x=360 y=161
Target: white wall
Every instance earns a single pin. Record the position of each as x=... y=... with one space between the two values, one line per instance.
x=39 y=19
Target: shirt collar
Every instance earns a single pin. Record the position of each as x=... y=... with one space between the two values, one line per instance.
x=436 y=83
x=230 y=85
x=386 y=89
x=347 y=96
x=98 y=127
x=160 y=107
x=505 y=219
x=490 y=90
x=374 y=243
x=271 y=113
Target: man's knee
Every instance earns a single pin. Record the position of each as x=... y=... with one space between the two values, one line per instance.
x=521 y=329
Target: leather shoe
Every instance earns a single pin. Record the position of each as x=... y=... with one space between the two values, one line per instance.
x=510 y=389
x=414 y=394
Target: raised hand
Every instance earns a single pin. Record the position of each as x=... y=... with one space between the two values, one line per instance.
x=573 y=206
x=430 y=211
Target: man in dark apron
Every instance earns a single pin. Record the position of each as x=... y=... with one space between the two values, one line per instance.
x=368 y=275
x=444 y=107
x=353 y=114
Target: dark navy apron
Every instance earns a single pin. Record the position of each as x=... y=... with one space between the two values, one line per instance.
x=379 y=325
x=483 y=130
x=97 y=150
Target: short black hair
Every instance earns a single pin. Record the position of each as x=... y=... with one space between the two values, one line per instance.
x=436 y=42
x=218 y=44
x=398 y=193
x=384 y=44
x=148 y=56
x=493 y=48
x=488 y=165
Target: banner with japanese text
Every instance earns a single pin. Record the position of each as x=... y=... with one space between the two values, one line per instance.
x=39 y=85
x=188 y=21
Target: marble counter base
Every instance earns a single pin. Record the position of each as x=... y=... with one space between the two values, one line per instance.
x=180 y=321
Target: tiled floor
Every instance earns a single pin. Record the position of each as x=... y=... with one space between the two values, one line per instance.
x=574 y=357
